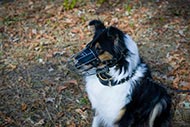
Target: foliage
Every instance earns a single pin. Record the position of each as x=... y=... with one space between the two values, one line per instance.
x=69 y=4
x=9 y=20
x=101 y=1
x=128 y=8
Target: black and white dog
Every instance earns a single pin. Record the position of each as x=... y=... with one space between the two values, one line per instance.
x=119 y=83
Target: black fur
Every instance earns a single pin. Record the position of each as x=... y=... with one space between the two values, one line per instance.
x=144 y=98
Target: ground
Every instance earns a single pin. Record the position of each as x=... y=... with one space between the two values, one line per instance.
x=37 y=38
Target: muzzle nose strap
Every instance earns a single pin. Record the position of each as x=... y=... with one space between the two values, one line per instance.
x=87 y=56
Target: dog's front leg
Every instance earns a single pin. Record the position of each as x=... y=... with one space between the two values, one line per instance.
x=96 y=121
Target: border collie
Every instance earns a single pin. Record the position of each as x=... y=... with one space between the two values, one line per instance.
x=119 y=84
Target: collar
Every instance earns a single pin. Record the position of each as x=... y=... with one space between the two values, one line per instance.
x=108 y=80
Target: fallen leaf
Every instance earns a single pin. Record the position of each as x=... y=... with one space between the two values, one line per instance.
x=186 y=86
x=12 y=66
x=48 y=7
x=65 y=85
x=61 y=88
x=72 y=124
x=176 y=81
x=41 y=122
x=23 y=107
x=60 y=114
x=50 y=100
x=82 y=113
x=75 y=30
x=34 y=31
x=71 y=82
x=9 y=120
x=181 y=32
x=49 y=82
x=83 y=46
x=188 y=98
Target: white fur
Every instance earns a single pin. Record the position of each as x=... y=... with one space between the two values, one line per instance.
x=132 y=47
x=107 y=101
x=155 y=112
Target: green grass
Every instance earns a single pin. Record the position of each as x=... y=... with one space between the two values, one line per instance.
x=8 y=20
x=83 y=101
x=69 y=4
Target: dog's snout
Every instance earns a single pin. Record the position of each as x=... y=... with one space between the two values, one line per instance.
x=85 y=57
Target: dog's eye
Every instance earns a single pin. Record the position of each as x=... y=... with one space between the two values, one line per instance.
x=99 y=51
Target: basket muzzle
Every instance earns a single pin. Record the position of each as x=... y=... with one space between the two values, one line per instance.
x=87 y=57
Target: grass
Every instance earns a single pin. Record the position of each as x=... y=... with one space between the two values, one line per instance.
x=83 y=101
x=70 y=4
x=11 y=20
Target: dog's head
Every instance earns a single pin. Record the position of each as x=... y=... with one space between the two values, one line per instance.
x=106 y=49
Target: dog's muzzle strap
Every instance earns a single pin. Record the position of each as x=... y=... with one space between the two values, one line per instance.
x=85 y=57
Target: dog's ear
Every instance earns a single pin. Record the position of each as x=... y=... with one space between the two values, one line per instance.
x=114 y=33
x=118 y=38
x=98 y=25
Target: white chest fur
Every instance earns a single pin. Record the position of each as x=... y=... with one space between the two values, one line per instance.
x=107 y=101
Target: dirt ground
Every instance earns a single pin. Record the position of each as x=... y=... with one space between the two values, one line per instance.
x=37 y=38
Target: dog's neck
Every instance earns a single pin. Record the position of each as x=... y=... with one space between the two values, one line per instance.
x=109 y=80
x=118 y=75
